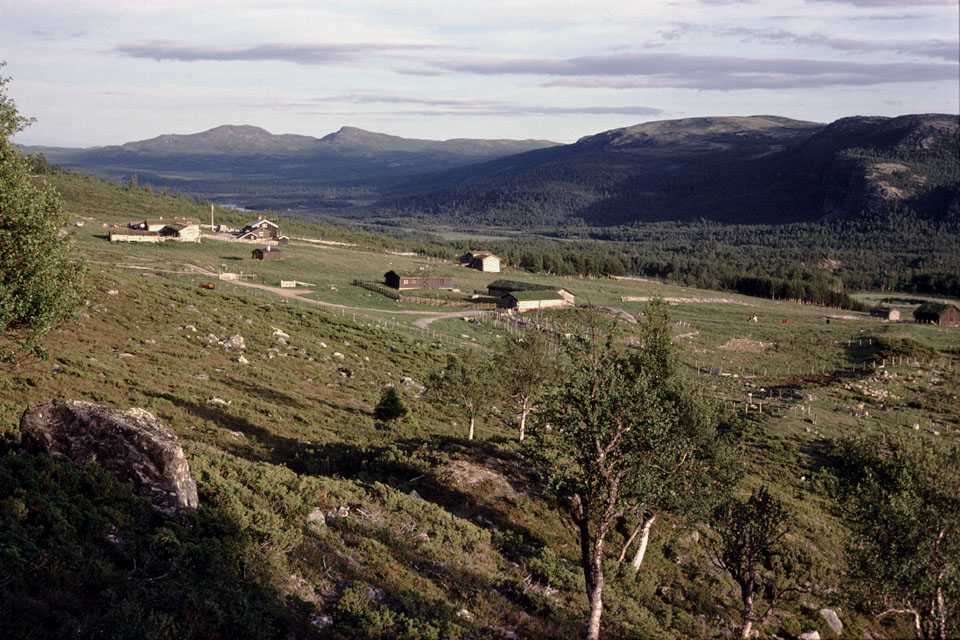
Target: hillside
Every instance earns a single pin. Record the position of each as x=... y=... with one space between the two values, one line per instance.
x=319 y=521
x=753 y=170
x=250 y=167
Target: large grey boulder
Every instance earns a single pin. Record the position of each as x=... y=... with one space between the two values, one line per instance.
x=132 y=444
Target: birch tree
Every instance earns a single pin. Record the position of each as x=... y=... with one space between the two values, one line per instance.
x=39 y=279
x=528 y=374
x=901 y=501
x=466 y=383
x=615 y=431
x=750 y=545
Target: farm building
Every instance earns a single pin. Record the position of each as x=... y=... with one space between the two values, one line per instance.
x=259 y=229
x=185 y=231
x=481 y=261
x=536 y=299
x=886 y=313
x=500 y=288
x=937 y=313
x=266 y=253
x=134 y=235
x=395 y=280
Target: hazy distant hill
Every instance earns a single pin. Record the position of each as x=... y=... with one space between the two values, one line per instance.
x=256 y=168
x=758 y=169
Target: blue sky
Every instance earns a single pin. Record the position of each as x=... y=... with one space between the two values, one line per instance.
x=106 y=72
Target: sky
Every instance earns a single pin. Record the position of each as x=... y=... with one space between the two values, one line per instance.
x=101 y=72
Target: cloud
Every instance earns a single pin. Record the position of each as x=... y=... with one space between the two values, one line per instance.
x=928 y=48
x=466 y=107
x=723 y=73
x=873 y=4
x=306 y=54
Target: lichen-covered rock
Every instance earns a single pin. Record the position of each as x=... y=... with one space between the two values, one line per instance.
x=132 y=444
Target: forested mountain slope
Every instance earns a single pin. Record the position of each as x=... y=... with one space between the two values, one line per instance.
x=757 y=169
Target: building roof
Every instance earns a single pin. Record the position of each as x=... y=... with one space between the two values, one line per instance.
x=133 y=232
x=538 y=294
x=258 y=223
x=931 y=309
x=513 y=285
x=268 y=249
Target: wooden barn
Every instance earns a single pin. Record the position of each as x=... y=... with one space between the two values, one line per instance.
x=395 y=280
x=937 y=313
x=531 y=300
x=266 y=253
x=481 y=261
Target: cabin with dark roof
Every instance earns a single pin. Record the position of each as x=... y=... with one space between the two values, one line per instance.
x=893 y=315
x=481 y=261
x=397 y=281
x=266 y=253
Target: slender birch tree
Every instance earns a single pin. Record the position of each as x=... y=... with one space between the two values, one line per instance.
x=615 y=432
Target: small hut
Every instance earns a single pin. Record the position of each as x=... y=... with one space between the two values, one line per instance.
x=266 y=253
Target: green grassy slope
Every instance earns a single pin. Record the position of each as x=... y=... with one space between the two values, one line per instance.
x=316 y=520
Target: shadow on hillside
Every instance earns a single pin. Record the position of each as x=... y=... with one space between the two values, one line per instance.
x=156 y=577
x=278 y=449
x=427 y=468
x=270 y=394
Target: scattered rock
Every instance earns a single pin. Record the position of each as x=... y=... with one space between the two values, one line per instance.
x=113 y=292
x=337 y=354
x=833 y=620
x=219 y=401
x=413 y=494
x=243 y=360
x=279 y=333
x=410 y=382
x=466 y=615
x=133 y=444
x=316 y=519
x=234 y=342
x=322 y=621
x=125 y=356
x=322 y=345
x=190 y=327
x=809 y=635
x=202 y=376
x=191 y=307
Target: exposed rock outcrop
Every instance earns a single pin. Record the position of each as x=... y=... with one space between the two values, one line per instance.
x=133 y=444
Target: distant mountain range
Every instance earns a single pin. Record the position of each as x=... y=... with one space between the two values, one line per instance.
x=756 y=169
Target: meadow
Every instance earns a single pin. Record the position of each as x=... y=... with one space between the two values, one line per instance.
x=343 y=526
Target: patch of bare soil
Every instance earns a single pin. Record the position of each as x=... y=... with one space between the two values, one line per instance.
x=464 y=474
x=742 y=344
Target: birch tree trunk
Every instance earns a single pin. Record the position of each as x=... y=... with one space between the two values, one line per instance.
x=472 y=420
x=644 y=538
x=747 y=615
x=524 y=412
